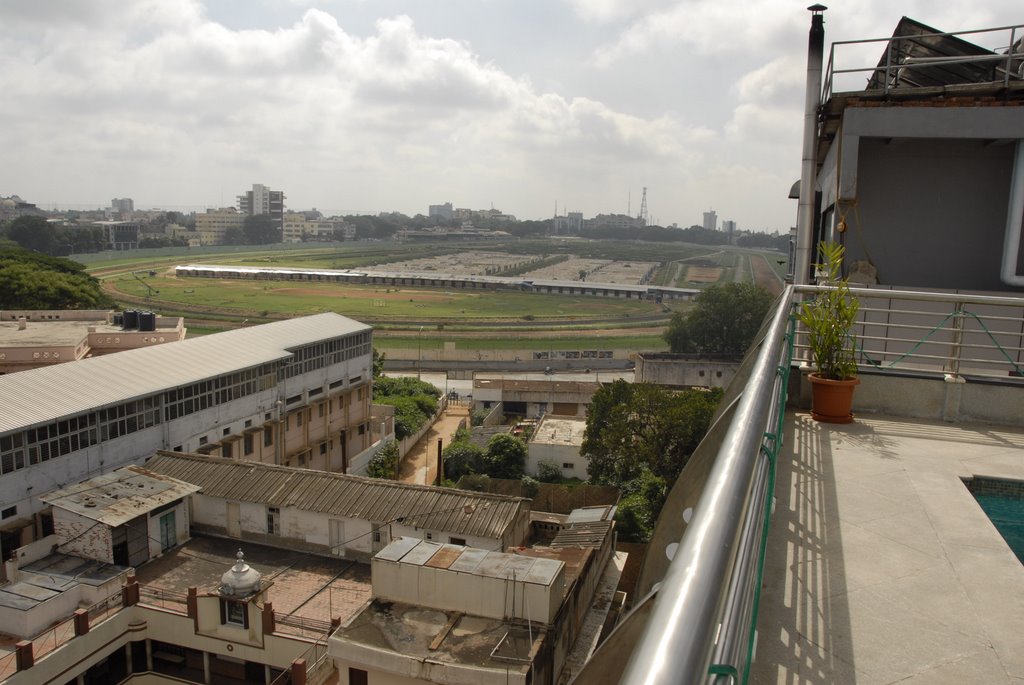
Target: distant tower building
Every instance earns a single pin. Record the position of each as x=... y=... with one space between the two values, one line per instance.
x=729 y=226
x=710 y=220
x=441 y=212
x=122 y=204
x=570 y=223
x=575 y=222
x=263 y=200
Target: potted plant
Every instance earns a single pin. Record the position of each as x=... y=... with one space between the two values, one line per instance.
x=828 y=321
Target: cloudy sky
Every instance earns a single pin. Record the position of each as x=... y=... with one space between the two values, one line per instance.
x=380 y=105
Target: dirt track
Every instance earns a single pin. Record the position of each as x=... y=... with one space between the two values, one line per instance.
x=420 y=464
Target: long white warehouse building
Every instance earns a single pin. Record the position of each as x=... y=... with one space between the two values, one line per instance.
x=295 y=392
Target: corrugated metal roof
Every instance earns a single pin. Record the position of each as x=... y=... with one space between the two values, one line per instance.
x=484 y=563
x=36 y=396
x=600 y=512
x=119 y=496
x=582 y=535
x=460 y=512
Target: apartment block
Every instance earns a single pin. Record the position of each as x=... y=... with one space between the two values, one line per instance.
x=213 y=224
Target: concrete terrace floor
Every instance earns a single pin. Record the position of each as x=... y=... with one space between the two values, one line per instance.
x=881 y=567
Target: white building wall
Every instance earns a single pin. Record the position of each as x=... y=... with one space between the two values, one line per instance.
x=309 y=529
x=477 y=595
x=181 y=527
x=560 y=455
x=187 y=434
x=312 y=530
x=399 y=530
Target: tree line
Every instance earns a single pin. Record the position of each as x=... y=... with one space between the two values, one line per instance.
x=29 y=280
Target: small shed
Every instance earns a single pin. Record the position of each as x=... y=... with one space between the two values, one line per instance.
x=125 y=517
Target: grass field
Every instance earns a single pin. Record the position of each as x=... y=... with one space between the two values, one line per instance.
x=486 y=319
x=651 y=343
x=260 y=298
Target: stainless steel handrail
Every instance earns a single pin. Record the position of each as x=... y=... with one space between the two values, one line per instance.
x=678 y=640
x=706 y=599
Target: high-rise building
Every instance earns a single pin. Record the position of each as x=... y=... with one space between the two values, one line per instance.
x=710 y=220
x=122 y=204
x=263 y=200
x=442 y=212
x=729 y=226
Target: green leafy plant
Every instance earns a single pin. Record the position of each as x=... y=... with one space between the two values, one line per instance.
x=384 y=464
x=829 y=318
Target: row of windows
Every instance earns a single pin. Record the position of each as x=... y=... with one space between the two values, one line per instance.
x=76 y=433
x=326 y=353
x=220 y=390
x=57 y=439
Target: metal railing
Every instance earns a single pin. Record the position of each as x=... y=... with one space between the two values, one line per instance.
x=164 y=599
x=301 y=626
x=1006 y=64
x=976 y=336
x=703 y=616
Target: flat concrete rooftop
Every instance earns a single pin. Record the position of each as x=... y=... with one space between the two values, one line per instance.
x=881 y=567
x=51 y=332
x=306 y=586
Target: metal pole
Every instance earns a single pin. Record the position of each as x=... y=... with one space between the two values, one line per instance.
x=955 y=350
x=419 y=353
x=812 y=95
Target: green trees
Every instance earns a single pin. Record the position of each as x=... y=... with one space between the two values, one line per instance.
x=638 y=438
x=548 y=471
x=378 y=364
x=33 y=281
x=415 y=401
x=505 y=457
x=34 y=233
x=261 y=229
x=384 y=464
x=724 y=320
x=234 y=236
x=463 y=458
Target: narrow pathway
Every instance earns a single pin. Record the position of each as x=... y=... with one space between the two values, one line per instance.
x=420 y=464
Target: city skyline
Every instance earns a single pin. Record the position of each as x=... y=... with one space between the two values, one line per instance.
x=393 y=106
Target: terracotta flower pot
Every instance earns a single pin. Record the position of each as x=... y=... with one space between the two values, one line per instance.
x=832 y=401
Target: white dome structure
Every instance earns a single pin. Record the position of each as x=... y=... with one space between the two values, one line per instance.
x=241 y=580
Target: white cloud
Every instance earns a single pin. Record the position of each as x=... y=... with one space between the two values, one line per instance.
x=607 y=11
x=157 y=100
x=197 y=100
x=707 y=27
